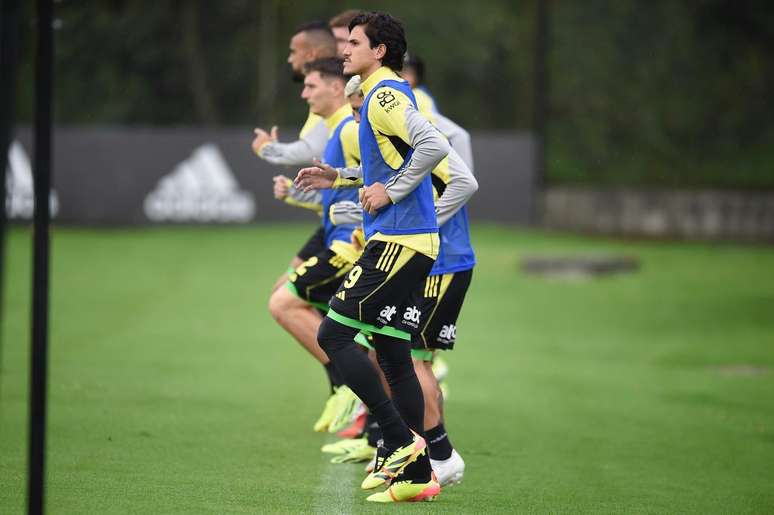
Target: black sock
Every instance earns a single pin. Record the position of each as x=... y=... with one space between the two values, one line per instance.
x=394 y=357
x=334 y=378
x=373 y=431
x=438 y=442
x=417 y=472
x=357 y=372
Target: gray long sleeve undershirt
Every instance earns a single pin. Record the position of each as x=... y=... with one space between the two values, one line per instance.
x=461 y=186
x=459 y=138
x=430 y=147
x=307 y=199
x=298 y=153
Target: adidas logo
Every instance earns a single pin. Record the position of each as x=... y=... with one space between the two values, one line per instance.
x=200 y=189
x=341 y=295
x=20 y=194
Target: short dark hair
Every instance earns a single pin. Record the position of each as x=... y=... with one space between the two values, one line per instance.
x=412 y=61
x=319 y=36
x=381 y=28
x=312 y=26
x=343 y=18
x=332 y=67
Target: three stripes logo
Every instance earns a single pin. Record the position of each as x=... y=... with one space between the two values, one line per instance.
x=20 y=193
x=200 y=189
x=432 y=286
x=386 y=260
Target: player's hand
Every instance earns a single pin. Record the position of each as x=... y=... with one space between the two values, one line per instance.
x=318 y=177
x=262 y=137
x=281 y=187
x=374 y=197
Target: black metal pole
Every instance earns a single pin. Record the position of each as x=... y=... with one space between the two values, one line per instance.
x=42 y=174
x=541 y=85
x=9 y=37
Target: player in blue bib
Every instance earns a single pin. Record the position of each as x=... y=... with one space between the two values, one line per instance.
x=399 y=148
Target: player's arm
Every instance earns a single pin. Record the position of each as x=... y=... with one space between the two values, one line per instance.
x=298 y=153
x=459 y=188
x=346 y=212
x=322 y=176
x=400 y=119
x=459 y=138
x=305 y=199
x=285 y=190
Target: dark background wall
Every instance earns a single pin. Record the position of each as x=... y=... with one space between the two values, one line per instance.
x=102 y=176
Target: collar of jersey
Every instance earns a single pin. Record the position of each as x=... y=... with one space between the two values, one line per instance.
x=378 y=76
x=335 y=119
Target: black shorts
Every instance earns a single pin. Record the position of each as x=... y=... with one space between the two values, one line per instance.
x=317 y=279
x=372 y=295
x=314 y=245
x=431 y=314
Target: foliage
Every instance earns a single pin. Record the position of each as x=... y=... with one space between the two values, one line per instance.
x=663 y=93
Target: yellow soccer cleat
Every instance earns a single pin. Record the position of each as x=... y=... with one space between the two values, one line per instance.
x=388 y=468
x=348 y=407
x=405 y=491
x=358 y=455
x=329 y=412
x=345 y=446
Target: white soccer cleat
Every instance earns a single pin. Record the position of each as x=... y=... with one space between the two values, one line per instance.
x=450 y=470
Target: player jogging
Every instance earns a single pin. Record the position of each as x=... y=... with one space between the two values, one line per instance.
x=399 y=147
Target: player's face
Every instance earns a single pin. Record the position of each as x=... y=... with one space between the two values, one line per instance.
x=298 y=55
x=319 y=94
x=356 y=101
x=341 y=34
x=359 y=57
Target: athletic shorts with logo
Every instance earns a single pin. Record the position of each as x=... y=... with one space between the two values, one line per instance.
x=314 y=245
x=318 y=278
x=377 y=287
x=431 y=313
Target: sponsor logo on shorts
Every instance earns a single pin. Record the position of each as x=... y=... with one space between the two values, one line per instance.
x=448 y=334
x=411 y=316
x=385 y=316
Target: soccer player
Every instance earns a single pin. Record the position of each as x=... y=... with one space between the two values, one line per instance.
x=310 y=41
x=399 y=147
x=434 y=307
x=314 y=281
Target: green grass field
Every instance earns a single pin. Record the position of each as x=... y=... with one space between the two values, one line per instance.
x=172 y=391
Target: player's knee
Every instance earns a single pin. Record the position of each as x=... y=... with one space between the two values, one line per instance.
x=333 y=336
x=396 y=365
x=278 y=304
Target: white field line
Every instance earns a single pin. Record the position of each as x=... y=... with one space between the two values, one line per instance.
x=337 y=487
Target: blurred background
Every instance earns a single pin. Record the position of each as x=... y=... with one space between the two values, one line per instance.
x=636 y=105
x=616 y=348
